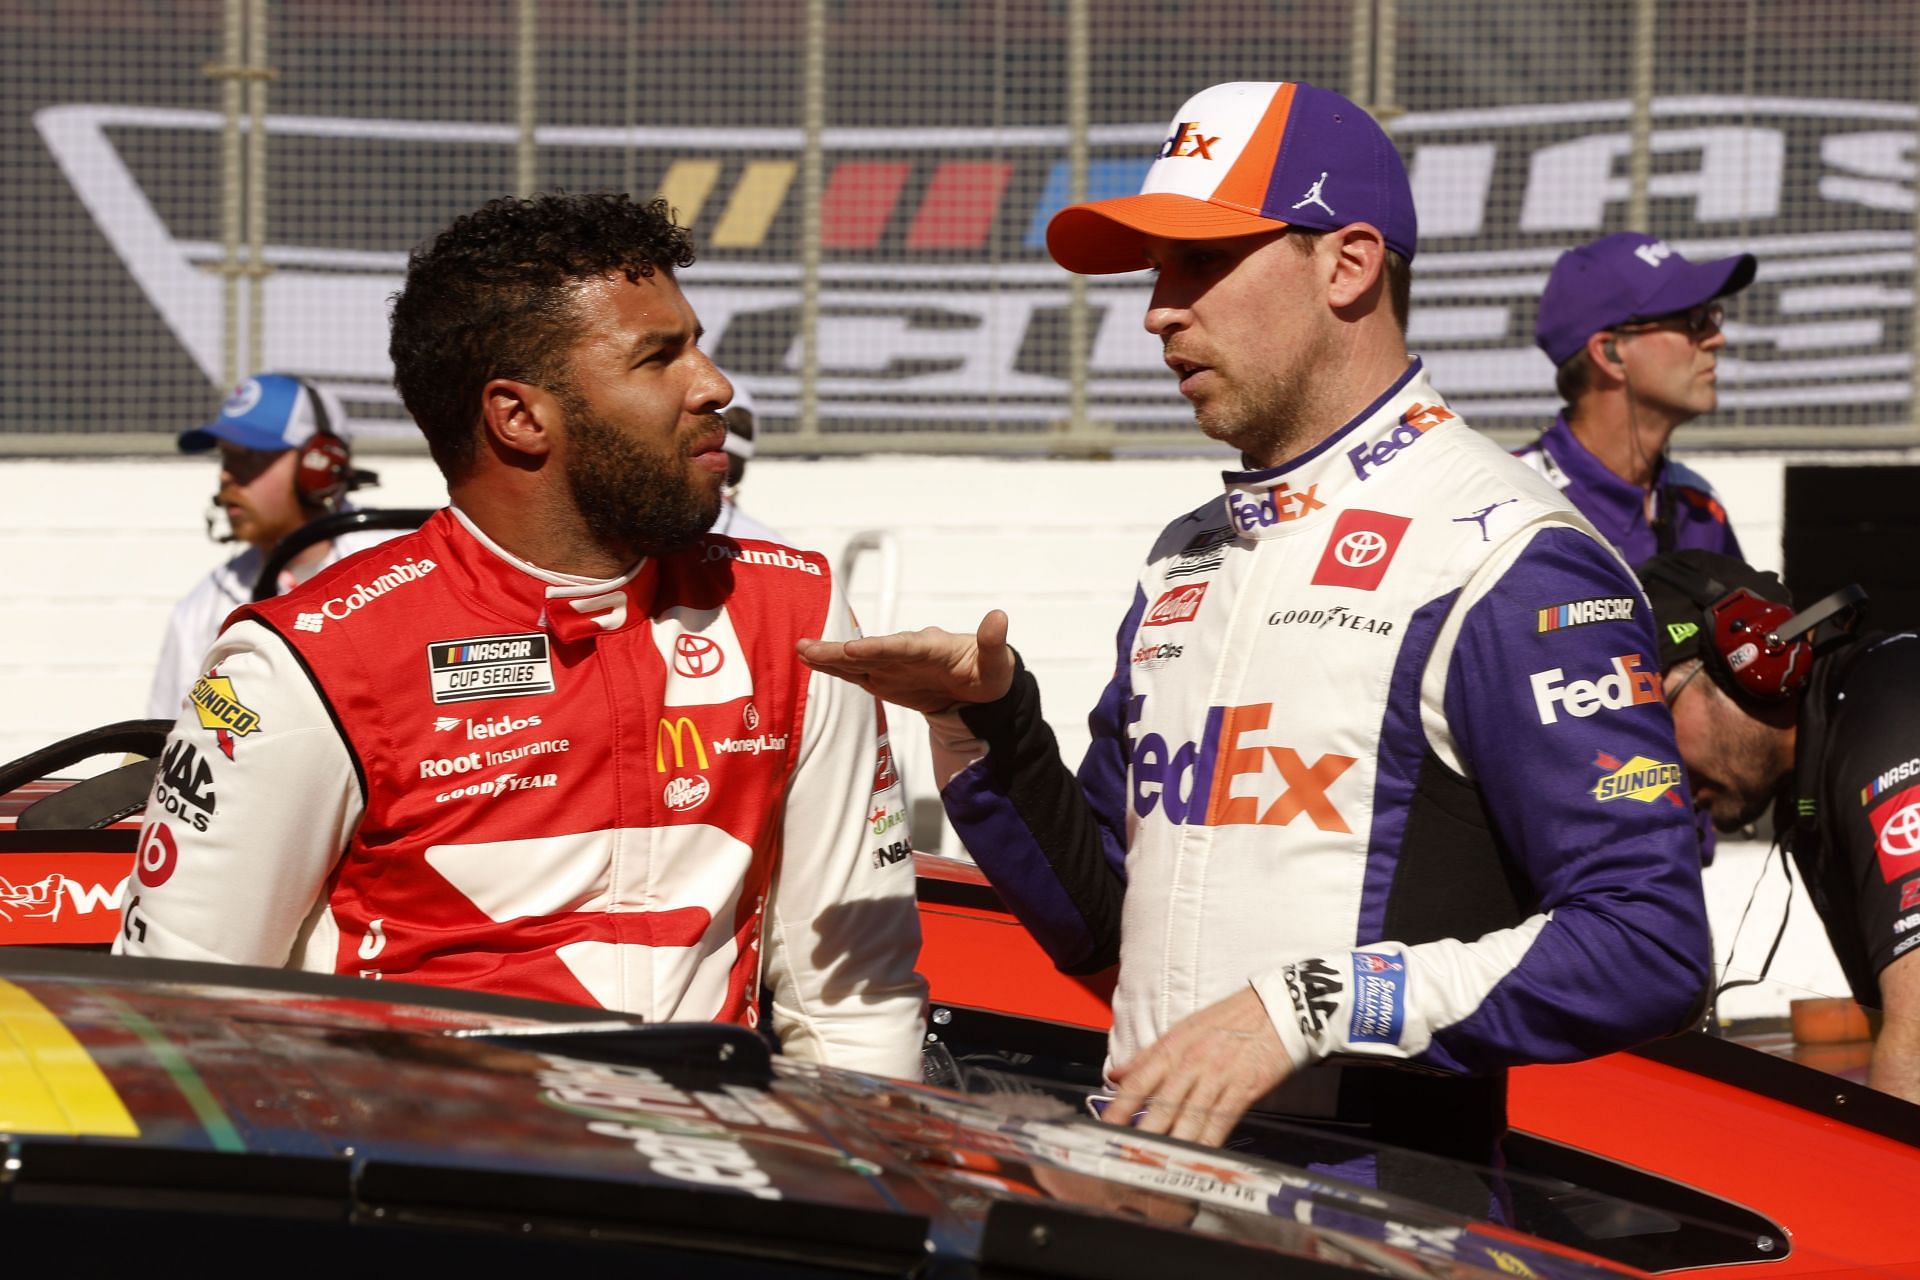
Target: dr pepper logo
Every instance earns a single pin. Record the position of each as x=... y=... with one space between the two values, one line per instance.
x=1360 y=548
x=1177 y=605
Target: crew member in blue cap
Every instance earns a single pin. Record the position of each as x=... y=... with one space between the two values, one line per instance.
x=284 y=460
x=1633 y=330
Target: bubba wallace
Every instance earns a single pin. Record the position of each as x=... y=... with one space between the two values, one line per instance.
x=557 y=743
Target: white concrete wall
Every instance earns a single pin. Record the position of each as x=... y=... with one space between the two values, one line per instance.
x=94 y=553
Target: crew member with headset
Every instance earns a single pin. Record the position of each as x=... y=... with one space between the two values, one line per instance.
x=1799 y=713
x=285 y=460
x=1633 y=330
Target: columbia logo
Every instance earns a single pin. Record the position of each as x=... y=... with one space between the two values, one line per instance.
x=310 y=622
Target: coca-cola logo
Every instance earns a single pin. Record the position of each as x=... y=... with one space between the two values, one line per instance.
x=1177 y=605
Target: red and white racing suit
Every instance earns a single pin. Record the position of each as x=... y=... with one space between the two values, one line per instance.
x=438 y=763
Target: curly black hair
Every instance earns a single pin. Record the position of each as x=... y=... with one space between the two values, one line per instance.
x=490 y=297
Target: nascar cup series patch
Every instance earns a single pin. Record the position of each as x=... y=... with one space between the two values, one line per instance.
x=515 y=666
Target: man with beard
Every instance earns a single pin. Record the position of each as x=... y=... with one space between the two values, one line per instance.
x=556 y=743
x=1799 y=714
x=1358 y=790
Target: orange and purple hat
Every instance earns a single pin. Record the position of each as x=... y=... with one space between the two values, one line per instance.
x=1244 y=158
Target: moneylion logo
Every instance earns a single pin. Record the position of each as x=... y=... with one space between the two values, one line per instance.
x=1639 y=779
x=678 y=732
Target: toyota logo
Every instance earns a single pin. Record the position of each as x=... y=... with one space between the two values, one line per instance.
x=1900 y=838
x=1360 y=548
x=697 y=656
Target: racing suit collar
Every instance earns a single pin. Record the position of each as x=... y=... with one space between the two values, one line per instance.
x=1617 y=507
x=567 y=606
x=1304 y=492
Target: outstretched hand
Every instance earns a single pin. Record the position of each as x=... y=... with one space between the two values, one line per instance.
x=1196 y=1081
x=926 y=670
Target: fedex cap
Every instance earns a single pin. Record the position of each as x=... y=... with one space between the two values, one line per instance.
x=1626 y=276
x=269 y=412
x=1244 y=158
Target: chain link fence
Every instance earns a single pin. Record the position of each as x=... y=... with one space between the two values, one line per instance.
x=201 y=188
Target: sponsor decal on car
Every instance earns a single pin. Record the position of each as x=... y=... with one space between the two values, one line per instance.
x=363 y=594
x=1379 y=998
x=1628 y=686
x=1314 y=988
x=1194 y=783
x=185 y=785
x=1181 y=604
x=1896 y=834
x=1640 y=778
x=1581 y=613
x=1264 y=508
x=1360 y=548
x=1414 y=423
x=217 y=707
x=508 y=666
x=1885 y=782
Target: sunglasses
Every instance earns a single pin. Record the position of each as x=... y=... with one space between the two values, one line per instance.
x=1696 y=322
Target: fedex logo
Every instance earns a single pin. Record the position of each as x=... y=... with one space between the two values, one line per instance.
x=1414 y=423
x=1628 y=686
x=1277 y=505
x=1188 y=143
x=1207 y=783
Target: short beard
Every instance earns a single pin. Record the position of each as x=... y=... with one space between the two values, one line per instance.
x=638 y=502
x=1277 y=419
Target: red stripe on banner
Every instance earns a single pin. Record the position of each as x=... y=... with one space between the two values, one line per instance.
x=960 y=204
x=858 y=201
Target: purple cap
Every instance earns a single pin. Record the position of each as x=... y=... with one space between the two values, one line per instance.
x=1243 y=158
x=1626 y=276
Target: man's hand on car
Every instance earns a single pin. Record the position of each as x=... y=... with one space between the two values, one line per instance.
x=1197 y=1081
x=927 y=670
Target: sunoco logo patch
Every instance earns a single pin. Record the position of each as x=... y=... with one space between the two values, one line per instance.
x=489 y=667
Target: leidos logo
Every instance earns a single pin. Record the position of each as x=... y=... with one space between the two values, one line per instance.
x=1188 y=143
x=1628 y=686
x=1195 y=782
x=1414 y=423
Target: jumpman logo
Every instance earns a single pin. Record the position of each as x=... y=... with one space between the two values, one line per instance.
x=1313 y=195
x=1480 y=517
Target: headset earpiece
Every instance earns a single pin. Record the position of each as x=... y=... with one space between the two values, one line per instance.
x=1764 y=649
x=325 y=472
x=1610 y=351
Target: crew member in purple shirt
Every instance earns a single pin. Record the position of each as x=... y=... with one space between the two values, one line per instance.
x=1633 y=330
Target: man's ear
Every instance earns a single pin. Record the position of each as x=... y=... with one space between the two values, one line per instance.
x=1357 y=266
x=1603 y=350
x=519 y=418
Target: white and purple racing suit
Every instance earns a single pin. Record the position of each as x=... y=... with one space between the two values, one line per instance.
x=1387 y=742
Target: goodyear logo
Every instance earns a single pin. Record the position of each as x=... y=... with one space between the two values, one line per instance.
x=219 y=708
x=680 y=733
x=1638 y=779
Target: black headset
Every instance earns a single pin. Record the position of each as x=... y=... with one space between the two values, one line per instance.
x=1759 y=650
